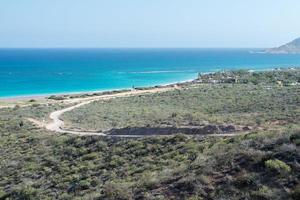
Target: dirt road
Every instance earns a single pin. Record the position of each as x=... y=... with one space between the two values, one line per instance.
x=57 y=124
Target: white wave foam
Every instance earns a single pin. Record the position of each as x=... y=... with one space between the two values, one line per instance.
x=161 y=72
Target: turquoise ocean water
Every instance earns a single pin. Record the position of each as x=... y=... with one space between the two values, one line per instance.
x=50 y=71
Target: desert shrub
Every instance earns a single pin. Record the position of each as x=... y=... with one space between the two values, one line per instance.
x=35 y=105
x=149 y=181
x=263 y=193
x=296 y=192
x=57 y=98
x=84 y=184
x=246 y=179
x=117 y=191
x=295 y=138
x=188 y=184
x=91 y=156
x=3 y=194
x=278 y=166
x=194 y=197
x=66 y=196
x=24 y=193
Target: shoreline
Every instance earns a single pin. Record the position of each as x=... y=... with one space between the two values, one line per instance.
x=89 y=93
x=101 y=92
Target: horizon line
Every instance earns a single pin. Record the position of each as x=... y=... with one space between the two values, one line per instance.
x=134 y=47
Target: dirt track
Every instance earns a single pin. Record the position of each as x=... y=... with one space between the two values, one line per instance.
x=57 y=125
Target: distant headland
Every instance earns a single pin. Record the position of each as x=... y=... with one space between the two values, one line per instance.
x=289 y=48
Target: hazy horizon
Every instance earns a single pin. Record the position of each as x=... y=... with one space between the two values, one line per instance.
x=151 y=24
x=145 y=48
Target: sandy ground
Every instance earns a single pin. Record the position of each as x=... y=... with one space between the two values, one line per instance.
x=21 y=101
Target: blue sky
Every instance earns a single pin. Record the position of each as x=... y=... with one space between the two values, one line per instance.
x=148 y=23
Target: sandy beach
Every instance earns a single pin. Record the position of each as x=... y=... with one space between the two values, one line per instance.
x=71 y=97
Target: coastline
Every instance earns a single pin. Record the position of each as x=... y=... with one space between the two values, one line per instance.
x=89 y=93
x=13 y=99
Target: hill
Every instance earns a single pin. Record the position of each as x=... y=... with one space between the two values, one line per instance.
x=261 y=164
x=291 y=47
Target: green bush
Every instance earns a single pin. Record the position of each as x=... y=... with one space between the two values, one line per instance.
x=263 y=193
x=278 y=165
x=2 y=194
x=84 y=184
x=25 y=193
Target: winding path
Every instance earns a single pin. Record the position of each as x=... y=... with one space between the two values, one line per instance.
x=56 y=124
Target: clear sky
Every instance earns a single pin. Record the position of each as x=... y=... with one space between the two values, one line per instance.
x=148 y=23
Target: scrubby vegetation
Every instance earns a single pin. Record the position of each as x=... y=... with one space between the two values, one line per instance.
x=279 y=76
x=278 y=166
x=37 y=165
x=240 y=104
x=36 y=110
x=84 y=95
x=261 y=165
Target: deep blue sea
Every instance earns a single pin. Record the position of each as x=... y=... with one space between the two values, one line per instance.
x=50 y=71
